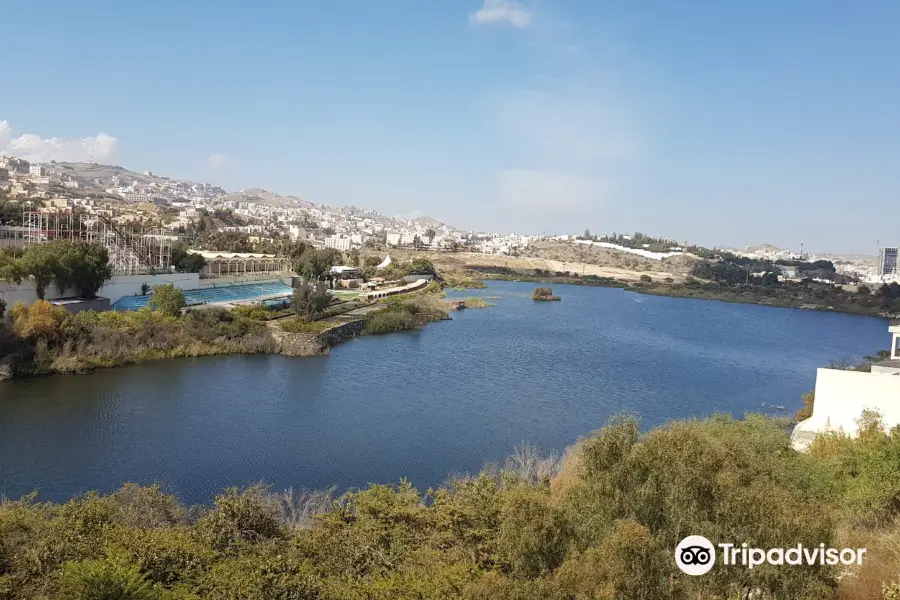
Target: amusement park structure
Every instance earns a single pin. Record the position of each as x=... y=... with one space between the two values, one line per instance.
x=130 y=252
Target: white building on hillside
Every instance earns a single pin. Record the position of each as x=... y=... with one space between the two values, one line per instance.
x=841 y=397
x=338 y=243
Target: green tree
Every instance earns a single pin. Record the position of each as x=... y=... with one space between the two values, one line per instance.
x=309 y=302
x=168 y=299
x=421 y=266
x=41 y=263
x=10 y=214
x=354 y=258
x=313 y=264
x=85 y=267
x=184 y=261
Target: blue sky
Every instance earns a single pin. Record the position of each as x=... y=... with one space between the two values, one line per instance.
x=714 y=122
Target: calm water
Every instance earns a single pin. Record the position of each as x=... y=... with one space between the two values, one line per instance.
x=422 y=405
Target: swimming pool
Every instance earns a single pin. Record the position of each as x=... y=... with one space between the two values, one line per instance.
x=232 y=293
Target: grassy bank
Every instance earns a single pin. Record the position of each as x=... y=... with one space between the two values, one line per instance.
x=805 y=296
x=813 y=296
x=301 y=325
x=43 y=339
x=411 y=313
x=599 y=522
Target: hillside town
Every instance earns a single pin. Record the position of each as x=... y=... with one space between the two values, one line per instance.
x=147 y=201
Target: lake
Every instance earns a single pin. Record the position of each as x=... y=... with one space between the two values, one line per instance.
x=422 y=405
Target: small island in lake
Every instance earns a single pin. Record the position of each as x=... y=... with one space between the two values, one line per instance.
x=544 y=294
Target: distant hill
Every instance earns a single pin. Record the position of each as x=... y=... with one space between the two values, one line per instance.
x=94 y=179
x=261 y=196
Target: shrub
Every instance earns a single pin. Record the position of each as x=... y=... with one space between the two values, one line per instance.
x=103 y=580
x=807 y=410
x=40 y=321
x=389 y=321
x=164 y=556
x=309 y=302
x=257 y=312
x=266 y=576
x=534 y=535
x=646 y=279
x=301 y=325
x=239 y=516
x=168 y=299
x=603 y=528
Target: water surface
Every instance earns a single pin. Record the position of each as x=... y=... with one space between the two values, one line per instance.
x=421 y=405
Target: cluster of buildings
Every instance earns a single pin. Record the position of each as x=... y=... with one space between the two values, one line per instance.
x=160 y=190
x=886 y=269
x=19 y=178
x=174 y=207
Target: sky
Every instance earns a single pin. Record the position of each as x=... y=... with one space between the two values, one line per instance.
x=717 y=123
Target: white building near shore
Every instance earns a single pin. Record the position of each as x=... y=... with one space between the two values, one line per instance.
x=841 y=396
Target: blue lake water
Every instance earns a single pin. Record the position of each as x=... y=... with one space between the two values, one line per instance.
x=421 y=405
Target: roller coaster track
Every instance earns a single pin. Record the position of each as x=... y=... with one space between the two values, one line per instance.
x=127 y=241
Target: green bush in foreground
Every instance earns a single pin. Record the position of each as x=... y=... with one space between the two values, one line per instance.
x=602 y=523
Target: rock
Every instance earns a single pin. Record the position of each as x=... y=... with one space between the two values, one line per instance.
x=544 y=294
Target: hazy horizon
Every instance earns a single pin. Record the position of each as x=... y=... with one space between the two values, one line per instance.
x=717 y=125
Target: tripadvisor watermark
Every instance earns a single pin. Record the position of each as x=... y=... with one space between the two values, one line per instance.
x=696 y=555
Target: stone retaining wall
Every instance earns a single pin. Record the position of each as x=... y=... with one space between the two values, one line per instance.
x=317 y=344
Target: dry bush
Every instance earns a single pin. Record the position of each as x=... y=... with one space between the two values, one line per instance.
x=297 y=510
x=569 y=471
x=880 y=568
x=527 y=464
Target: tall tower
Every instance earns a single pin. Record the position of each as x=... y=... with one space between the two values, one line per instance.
x=888 y=261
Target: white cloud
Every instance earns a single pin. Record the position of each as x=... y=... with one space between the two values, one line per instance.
x=497 y=11
x=34 y=148
x=549 y=191
x=216 y=161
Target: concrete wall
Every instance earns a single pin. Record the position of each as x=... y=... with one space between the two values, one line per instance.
x=130 y=285
x=97 y=304
x=24 y=292
x=841 y=397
